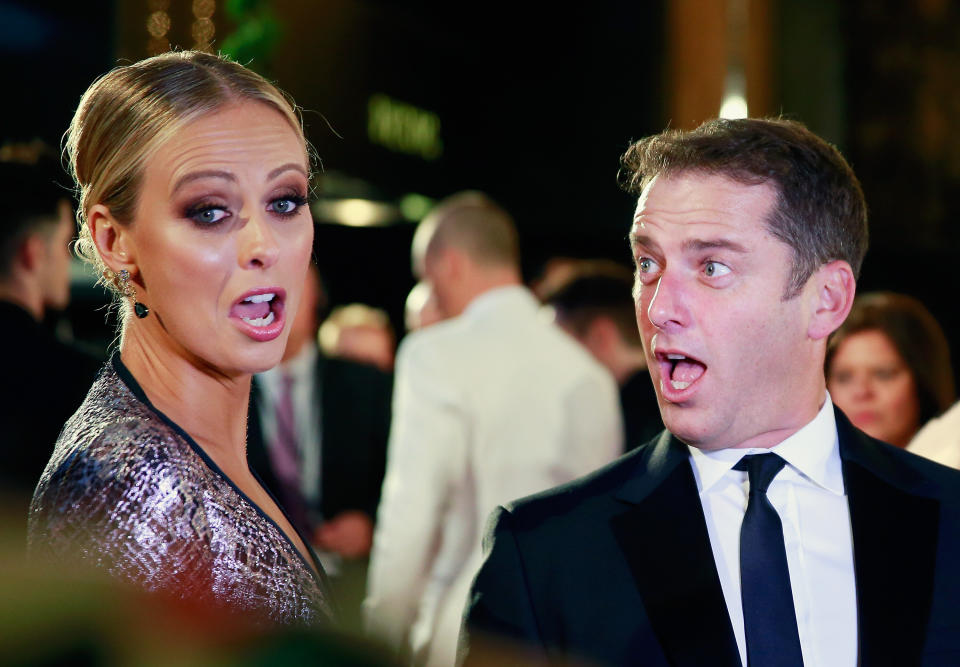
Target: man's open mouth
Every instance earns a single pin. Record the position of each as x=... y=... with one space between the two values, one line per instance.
x=680 y=370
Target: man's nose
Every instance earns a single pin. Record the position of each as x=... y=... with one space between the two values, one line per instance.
x=667 y=308
x=257 y=245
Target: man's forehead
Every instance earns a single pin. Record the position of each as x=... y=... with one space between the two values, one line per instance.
x=699 y=198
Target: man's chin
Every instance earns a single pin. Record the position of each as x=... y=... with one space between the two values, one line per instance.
x=687 y=426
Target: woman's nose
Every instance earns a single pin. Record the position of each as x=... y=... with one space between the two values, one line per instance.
x=258 y=244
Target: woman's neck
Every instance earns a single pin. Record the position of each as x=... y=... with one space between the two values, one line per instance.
x=206 y=403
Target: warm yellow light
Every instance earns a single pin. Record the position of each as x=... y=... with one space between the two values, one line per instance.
x=733 y=106
x=356 y=212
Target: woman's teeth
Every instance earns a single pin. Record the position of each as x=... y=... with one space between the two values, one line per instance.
x=260 y=321
x=260 y=298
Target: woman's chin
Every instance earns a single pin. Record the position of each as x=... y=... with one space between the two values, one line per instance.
x=261 y=358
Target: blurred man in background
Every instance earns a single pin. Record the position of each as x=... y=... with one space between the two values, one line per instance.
x=492 y=404
x=360 y=333
x=317 y=437
x=420 y=309
x=45 y=378
x=596 y=307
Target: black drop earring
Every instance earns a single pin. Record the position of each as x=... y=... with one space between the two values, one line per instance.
x=139 y=309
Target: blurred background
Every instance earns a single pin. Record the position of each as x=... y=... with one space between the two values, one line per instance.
x=409 y=101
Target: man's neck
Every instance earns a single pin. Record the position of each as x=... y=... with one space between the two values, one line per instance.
x=22 y=296
x=486 y=280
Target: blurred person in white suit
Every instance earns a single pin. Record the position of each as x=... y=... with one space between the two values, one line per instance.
x=490 y=405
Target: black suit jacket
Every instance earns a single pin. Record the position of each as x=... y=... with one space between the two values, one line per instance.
x=45 y=381
x=617 y=568
x=354 y=424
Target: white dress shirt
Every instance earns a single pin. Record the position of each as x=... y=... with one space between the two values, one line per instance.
x=488 y=407
x=809 y=496
x=304 y=391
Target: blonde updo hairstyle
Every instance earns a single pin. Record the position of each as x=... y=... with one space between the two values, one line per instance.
x=129 y=112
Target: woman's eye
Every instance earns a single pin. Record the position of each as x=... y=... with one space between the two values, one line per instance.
x=286 y=205
x=714 y=269
x=207 y=215
x=886 y=373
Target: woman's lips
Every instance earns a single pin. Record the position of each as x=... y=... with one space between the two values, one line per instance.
x=259 y=313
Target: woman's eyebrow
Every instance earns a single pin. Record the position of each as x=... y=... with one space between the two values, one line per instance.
x=197 y=175
x=290 y=166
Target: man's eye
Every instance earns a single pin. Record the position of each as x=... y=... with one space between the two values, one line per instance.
x=714 y=269
x=645 y=265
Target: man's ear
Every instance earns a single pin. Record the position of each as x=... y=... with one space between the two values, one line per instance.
x=113 y=240
x=601 y=334
x=834 y=288
x=33 y=252
x=452 y=263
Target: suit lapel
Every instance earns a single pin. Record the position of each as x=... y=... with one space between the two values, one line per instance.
x=664 y=538
x=895 y=531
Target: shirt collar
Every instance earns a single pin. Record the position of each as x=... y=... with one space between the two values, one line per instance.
x=813 y=451
x=508 y=296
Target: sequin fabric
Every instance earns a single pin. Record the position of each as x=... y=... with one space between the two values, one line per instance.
x=127 y=491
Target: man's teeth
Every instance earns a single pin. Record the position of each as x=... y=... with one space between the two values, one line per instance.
x=675 y=357
x=260 y=298
x=260 y=321
x=679 y=386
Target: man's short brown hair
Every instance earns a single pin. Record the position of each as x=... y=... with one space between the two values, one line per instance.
x=474 y=223
x=820 y=211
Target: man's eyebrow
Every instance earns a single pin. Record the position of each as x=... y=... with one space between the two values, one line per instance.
x=197 y=175
x=642 y=240
x=714 y=244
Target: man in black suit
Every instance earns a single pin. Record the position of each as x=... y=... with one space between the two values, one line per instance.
x=45 y=379
x=340 y=414
x=761 y=528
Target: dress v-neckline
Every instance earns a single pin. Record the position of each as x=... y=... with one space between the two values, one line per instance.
x=131 y=382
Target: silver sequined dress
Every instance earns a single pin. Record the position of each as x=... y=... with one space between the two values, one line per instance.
x=129 y=491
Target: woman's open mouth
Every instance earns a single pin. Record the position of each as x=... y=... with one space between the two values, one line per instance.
x=259 y=313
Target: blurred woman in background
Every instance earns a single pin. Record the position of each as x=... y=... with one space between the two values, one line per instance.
x=888 y=367
x=193 y=175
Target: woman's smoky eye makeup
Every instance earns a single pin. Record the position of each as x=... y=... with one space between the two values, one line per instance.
x=287 y=203
x=205 y=212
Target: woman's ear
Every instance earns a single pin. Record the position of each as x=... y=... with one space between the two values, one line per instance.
x=835 y=288
x=113 y=240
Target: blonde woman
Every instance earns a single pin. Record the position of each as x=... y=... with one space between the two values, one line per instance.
x=193 y=176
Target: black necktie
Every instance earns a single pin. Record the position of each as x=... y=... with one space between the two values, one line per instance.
x=769 y=618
